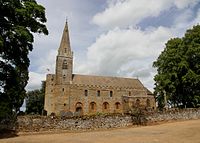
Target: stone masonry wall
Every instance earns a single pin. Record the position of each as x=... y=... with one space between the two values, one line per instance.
x=85 y=123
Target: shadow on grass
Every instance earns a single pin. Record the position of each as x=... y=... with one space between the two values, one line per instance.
x=8 y=134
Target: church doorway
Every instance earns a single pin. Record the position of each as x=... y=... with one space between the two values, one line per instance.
x=79 y=109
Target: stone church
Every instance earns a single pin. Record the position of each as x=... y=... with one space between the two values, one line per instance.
x=88 y=94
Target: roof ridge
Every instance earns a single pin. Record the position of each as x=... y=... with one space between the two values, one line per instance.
x=102 y=76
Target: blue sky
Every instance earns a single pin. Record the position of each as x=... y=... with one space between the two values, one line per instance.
x=111 y=37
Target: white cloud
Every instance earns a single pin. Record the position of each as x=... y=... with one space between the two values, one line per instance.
x=35 y=80
x=184 y=3
x=131 y=52
x=115 y=52
x=184 y=22
x=47 y=62
x=130 y=12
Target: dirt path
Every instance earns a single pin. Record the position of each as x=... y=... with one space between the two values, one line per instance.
x=177 y=132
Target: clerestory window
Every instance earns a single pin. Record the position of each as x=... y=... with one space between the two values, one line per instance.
x=98 y=93
x=86 y=92
x=111 y=93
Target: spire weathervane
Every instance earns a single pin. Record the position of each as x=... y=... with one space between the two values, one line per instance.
x=66 y=19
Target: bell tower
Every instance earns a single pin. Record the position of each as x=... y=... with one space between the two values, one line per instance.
x=64 y=60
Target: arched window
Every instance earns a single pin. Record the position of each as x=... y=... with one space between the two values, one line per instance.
x=117 y=105
x=148 y=103
x=64 y=66
x=105 y=106
x=92 y=107
x=137 y=102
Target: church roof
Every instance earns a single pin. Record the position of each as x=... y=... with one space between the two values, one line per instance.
x=107 y=81
x=148 y=91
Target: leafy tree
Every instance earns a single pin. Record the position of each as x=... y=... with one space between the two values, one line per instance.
x=19 y=19
x=35 y=100
x=178 y=69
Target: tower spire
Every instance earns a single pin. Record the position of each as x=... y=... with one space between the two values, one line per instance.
x=64 y=59
x=65 y=48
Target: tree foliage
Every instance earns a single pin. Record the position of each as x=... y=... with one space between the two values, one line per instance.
x=35 y=100
x=178 y=69
x=19 y=19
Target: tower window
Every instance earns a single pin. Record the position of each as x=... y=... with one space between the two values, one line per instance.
x=64 y=66
x=111 y=93
x=98 y=93
x=64 y=76
x=86 y=92
x=65 y=50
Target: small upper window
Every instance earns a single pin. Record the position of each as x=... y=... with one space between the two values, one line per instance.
x=98 y=93
x=129 y=93
x=86 y=92
x=111 y=93
x=65 y=50
x=64 y=66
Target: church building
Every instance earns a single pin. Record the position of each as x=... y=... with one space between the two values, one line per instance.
x=88 y=94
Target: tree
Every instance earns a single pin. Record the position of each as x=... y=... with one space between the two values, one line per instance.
x=19 y=19
x=178 y=69
x=35 y=100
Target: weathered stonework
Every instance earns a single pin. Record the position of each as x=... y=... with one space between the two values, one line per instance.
x=75 y=94
x=85 y=123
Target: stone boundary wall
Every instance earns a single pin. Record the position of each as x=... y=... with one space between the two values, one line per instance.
x=86 y=123
x=174 y=114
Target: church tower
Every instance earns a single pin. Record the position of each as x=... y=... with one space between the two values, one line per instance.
x=64 y=60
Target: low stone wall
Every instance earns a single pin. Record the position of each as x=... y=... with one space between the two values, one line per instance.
x=174 y=114
x=48 y=123
x=42 y=123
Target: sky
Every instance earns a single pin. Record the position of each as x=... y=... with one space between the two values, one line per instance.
x=111 y=37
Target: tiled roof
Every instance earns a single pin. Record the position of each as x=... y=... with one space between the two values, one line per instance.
x=107 y=81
